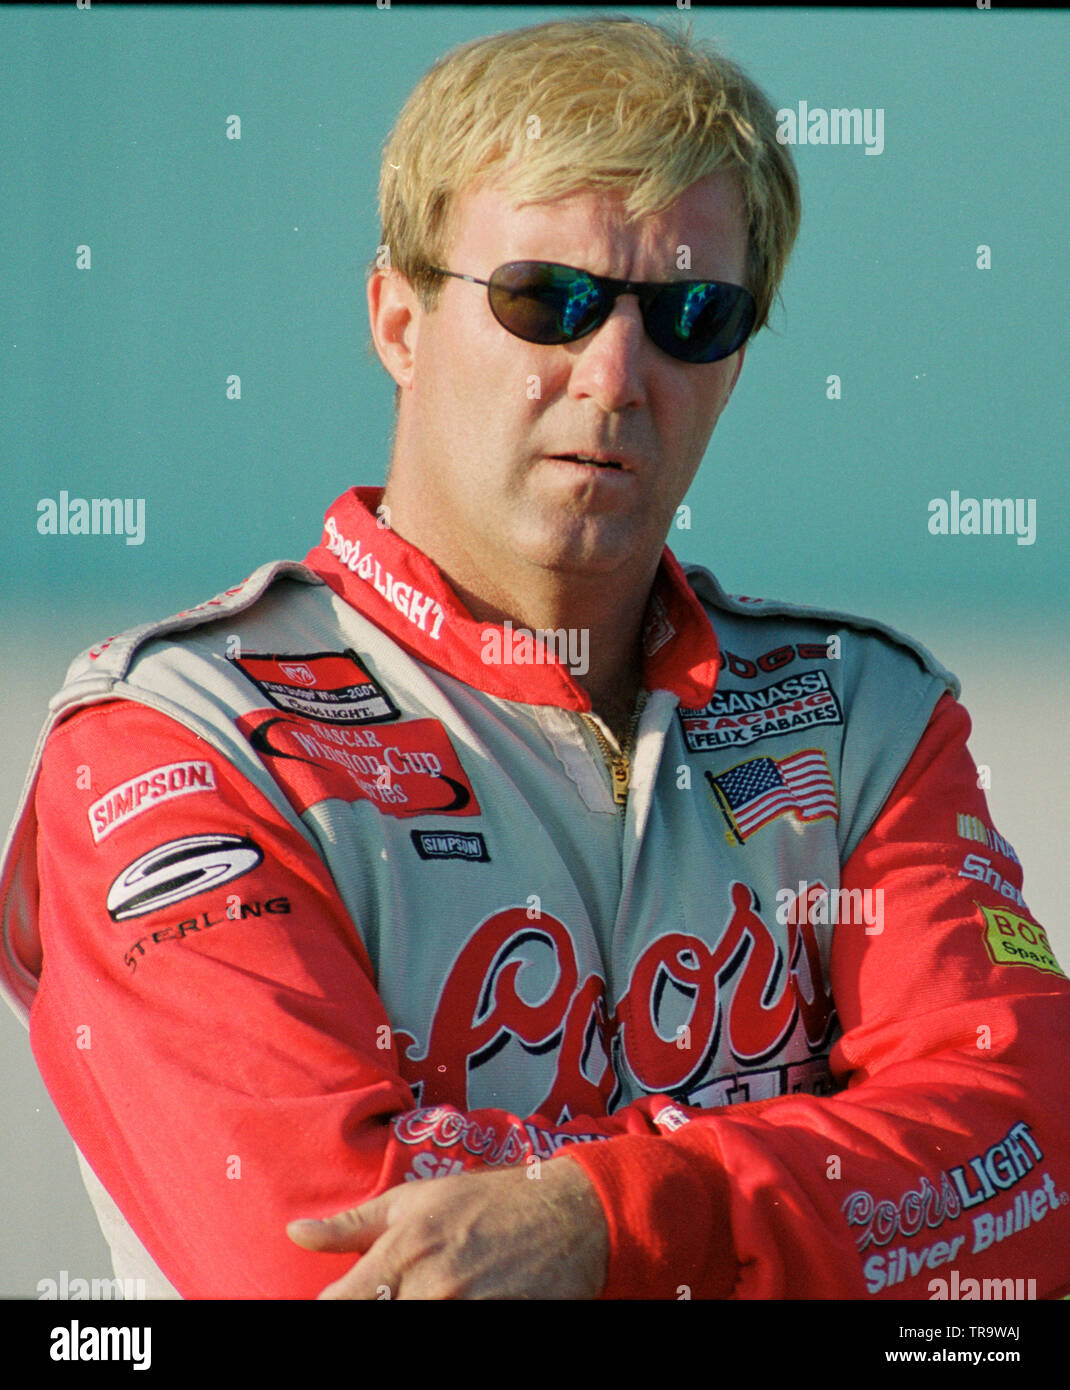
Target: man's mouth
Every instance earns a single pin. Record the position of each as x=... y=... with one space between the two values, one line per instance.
x=600 y=461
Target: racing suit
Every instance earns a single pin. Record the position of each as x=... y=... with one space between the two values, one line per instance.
x=324 y=885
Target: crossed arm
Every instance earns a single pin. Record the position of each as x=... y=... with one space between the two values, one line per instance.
x=255 y=1041
x=476 y=1235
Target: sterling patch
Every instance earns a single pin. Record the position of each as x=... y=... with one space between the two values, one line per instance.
x=331 y=687
x=735 y=718
x=180 y=869
x=408 y=769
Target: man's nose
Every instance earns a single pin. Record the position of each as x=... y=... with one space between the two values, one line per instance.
x=608 y=364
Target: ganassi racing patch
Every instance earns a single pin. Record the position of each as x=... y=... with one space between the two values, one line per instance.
x=406 y=769
x=734 y=718
x=331 y=687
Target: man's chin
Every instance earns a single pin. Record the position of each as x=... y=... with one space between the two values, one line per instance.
x=594 y=546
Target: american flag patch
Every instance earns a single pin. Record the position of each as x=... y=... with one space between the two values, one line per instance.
x=753 y=793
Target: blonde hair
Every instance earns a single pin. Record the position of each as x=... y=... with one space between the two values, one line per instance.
x=617 y=103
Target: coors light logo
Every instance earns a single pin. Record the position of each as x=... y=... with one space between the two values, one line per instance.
x=746 y=994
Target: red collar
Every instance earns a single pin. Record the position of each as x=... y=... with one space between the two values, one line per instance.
x=402 y=591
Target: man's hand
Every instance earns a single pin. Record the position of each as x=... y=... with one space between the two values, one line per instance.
x=505 y=1234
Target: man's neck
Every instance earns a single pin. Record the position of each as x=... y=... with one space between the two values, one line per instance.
x=603 y=623
x=601 y=614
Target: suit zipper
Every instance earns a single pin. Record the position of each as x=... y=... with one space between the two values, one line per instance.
x=618 y=760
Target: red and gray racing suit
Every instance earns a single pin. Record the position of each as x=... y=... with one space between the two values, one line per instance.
x=324 y=886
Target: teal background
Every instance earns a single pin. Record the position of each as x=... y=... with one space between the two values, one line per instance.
x=213 y=256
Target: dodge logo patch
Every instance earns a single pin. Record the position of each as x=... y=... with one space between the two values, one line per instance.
x=331 y=687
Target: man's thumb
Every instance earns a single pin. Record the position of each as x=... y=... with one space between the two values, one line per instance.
x=356 y=1229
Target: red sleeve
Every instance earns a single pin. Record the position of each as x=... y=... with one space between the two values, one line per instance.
x=220 y=1056
x=947 y=1156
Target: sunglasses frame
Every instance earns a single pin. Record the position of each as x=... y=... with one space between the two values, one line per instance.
x=647 y=292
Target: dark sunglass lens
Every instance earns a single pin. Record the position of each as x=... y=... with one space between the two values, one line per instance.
x=703 y=321
x=544 y=303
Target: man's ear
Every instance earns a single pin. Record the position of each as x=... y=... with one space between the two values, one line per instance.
x=394 y=314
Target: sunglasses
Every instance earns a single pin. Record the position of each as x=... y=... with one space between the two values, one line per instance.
x=691 y=320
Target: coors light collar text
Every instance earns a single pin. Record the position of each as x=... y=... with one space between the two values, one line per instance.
x=410 y=602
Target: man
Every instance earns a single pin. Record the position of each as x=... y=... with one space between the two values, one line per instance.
x=667 y=931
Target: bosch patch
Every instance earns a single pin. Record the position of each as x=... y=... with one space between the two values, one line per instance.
x=1014 y=940
x=330 y=687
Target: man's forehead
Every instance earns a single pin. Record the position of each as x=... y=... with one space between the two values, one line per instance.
x=488 y=217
